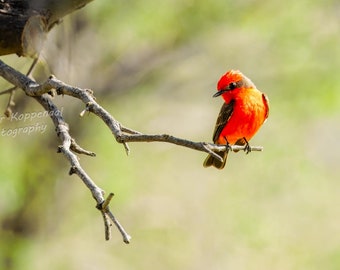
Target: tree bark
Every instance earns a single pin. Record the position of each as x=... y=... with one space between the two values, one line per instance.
x=24 y=23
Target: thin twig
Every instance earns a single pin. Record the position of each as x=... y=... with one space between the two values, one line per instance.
x=9 y=90
x=77 y=149
x=126 y=236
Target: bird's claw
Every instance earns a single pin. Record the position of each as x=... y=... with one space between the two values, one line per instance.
x=227 y=145
x=247 y=148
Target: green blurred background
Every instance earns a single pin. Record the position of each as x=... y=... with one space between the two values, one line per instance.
x=154 y=67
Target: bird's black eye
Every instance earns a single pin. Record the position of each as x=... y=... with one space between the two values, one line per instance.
x=232 y=85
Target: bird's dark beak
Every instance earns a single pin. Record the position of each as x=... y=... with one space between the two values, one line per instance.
x=218 y=93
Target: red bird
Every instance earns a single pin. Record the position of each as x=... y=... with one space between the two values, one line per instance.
x=244 y=111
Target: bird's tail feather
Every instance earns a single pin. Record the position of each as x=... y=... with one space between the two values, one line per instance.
x=213 y=161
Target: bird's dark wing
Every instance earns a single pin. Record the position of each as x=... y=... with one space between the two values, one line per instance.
x=223 y=118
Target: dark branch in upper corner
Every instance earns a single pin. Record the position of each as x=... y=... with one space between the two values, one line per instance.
x=25 y=23
x=122 y=134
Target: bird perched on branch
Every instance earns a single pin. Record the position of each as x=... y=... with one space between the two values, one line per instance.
x=244 y=111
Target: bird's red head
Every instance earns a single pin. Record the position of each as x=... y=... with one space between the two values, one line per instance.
x=232 y=76
x=233 y=79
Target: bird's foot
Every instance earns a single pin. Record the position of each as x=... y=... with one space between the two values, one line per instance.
x=247 y=148
x=227 y=145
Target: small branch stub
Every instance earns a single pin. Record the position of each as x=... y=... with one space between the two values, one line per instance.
x=72 y=170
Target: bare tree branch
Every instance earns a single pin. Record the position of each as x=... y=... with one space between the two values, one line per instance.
x=68 y=144
x=122 y=134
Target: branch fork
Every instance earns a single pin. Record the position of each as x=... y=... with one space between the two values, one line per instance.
x=107 y=216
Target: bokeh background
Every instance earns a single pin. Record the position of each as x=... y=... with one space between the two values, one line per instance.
x=154 y=67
